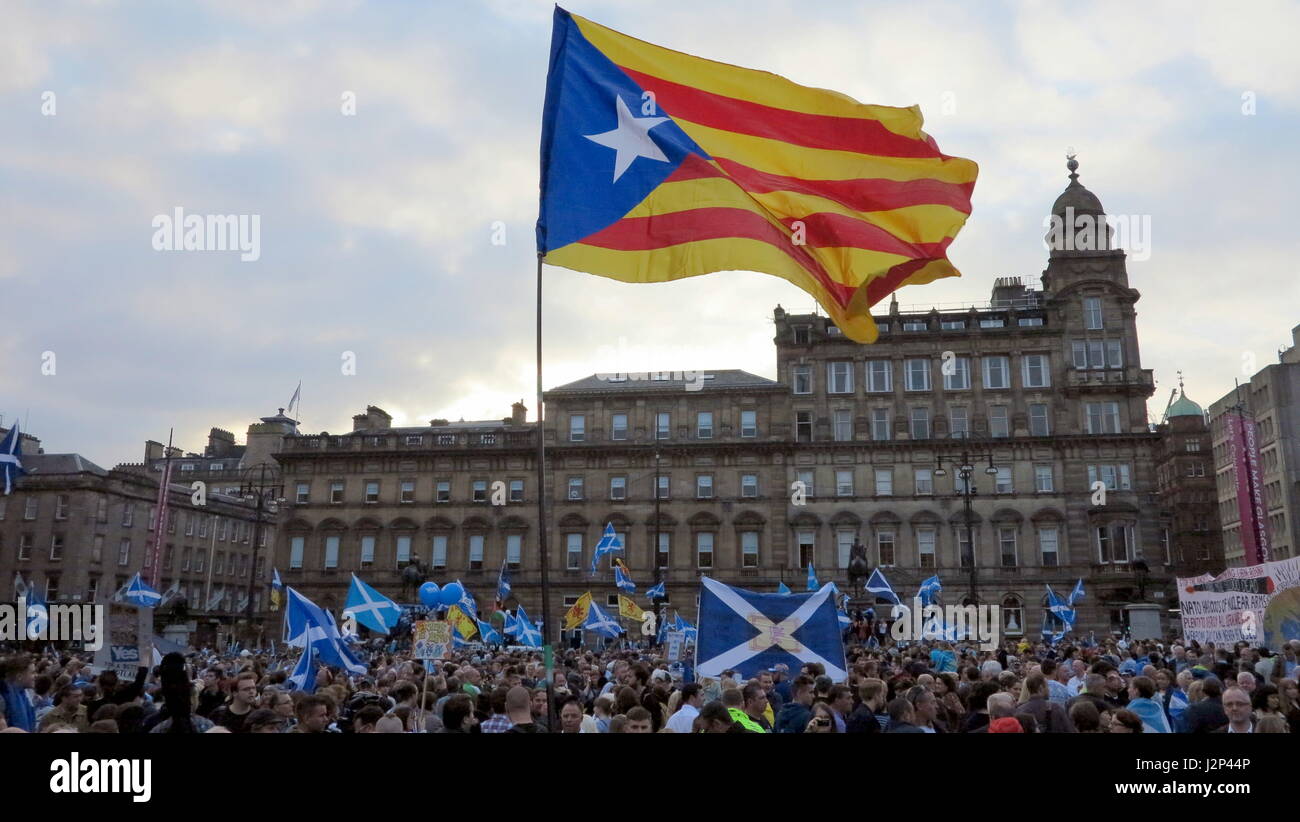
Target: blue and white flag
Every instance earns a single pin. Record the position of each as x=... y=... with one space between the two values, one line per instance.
x=276 y=583
x=303 y=677
x=11 y=458
x=751 y=632
x=622 y=580
x=1077 y=594
x=38 y=614
x=878 y=585
x=138 y=592
x=1058 y=618
x=467 y=602
x=308 y=625
x=929 y=588
x=1152 y=714
x=685 y=627
x=503 y=583
x=812 y=578
x=511 y=628
x=659 y=591
x=525 y=631
x=601 y=623
x=845 y=620
x=489 y=635
x=609 y=543
x=371 y=608
x=782 y=588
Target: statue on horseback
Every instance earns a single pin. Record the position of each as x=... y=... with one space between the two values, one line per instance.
x=413 y=576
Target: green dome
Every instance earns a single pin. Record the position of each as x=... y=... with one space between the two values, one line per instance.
x=1184 y=407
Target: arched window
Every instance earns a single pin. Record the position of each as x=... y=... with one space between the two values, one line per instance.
x=1013 y=616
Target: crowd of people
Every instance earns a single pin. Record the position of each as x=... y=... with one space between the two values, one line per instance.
x=1118 y=686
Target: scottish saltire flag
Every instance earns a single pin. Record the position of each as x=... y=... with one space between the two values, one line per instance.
x=1077 y=594
x=467 y=602
x=503 y=583
x=308 y=625
x=11 y=458
x=276 y=582
x=303 y=677
x=929 y=588
x=511 y=627
x=489 y=634
x=38 y=613
x=659 y=591
x=1152 y=714
x=880 y=587
x=845 y=619
x=137 y=592
x=1177 y=707
x=622 y=579
x=752 y=632
x=685 y=627
x=658 y=165
x=608 y=544
x=371 y=608
x=525 y=631
x=1058 y=618
x=812 y=578
x=782 y=588
x=601 y=623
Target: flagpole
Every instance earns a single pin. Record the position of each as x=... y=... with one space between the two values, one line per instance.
x=542 y=537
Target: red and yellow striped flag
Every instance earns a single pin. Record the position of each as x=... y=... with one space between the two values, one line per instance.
x=716 y=167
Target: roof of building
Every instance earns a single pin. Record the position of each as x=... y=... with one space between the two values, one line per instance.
x=666 y=381
x=45 y=464
x=1076 y=196
x=1183 y=407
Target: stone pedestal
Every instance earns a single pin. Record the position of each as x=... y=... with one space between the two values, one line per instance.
x=1144 y=620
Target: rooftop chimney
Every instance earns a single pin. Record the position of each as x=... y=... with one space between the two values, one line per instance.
x=518 y=413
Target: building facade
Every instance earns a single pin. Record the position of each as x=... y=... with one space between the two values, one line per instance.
x=749 y=479
x=1189 y=509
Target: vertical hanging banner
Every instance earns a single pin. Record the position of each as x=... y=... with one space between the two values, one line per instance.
x=1243 y=453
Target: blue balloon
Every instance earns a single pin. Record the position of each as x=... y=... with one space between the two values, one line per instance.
x=429 y=594
x=451 y=593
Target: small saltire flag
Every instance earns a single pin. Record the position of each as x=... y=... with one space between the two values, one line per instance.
x=623 y=578
x=467 y=602
x=880 y=587
x=658 y=165
x=461 y=622
x=1076 y=594
x=608 y=544
x=601 y=623
x=812 y=578
x=526 y=632
x=782 y=588
x=371 y=608
x=11 y=458
x=628 y=608
x=659 y=591
x=307 y=624
x=490 y=635
x=138 y=592
x=503 y=583
x=752 y=632
x=511 y=627
x=929 y=588
x=685 y=627
x=1152 y=714
x=303 y=677
x=38 y=614
x=577 y=613
x=276 y=583
x=844 y=618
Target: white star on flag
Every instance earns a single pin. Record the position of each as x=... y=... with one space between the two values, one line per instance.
x=631 y=139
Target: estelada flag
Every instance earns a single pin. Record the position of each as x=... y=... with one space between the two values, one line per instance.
x=628 y=608
x=461 y=622
x=658 y=165
x=577 y=613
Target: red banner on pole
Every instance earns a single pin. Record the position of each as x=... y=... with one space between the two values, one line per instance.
x=1243 y=452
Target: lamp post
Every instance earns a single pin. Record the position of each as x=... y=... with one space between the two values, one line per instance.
x=267 y=494
x=963 y=464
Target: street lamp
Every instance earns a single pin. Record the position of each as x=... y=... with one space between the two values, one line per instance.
x=964 y=464
x=267 y=494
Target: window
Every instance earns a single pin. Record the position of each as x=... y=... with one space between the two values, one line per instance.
x=998 y=426
x=958 y=422
x=920 y=423
x=749 y=549
x=1192 y=445
x=1003 y=485
x=992 y=322
x=880 y=376
x=880 y=424
x=128 y=516
x=964 y=553
x=123 y=552
x=573 y=551
x=407 y=491
x=1114 y=477
x=959 y=379
x=440 y=551
x=704 y=549
x=1079 y=354
x=189 y=525
x=807 y=548
x=101 y=510
x=476 y=552
x=1113 y=541
x=839 y=378
x=56 y=547
x=953 y=325
x=516 y=490
x=331 y=553
x=92 y=589
x=914 y=325
x=925 y=547
x=1030 y=321
x=661 y=556
x=844 y=483
x=372 y=491
x=1164 y=545
x=802 y=377
x=618 y=427
x=801 y=335
x=514 y=550
x=336 y=492
x=884 y=482
x=199 y=557
x=997 y=372
x=51 y=587
x=1092 y=313
x=295 y=553
x=218 y=564
x=223 y=529
x=844 y=540
x=1043 y=478
x=618 y=487
x=1037 y=371
x=924 y=478
x=749 y=423
x=1196 y=469
x=575 y=487
x=704 y=425
x=1103 y=417
x=803 y=426
x=32 y=507
x=367 y=550
x=185 y=559
x=704 y=486
x=663 y=425
x=479 y=490
x=1007 y=543
x=577 y=428
x=443 y=493
x=806 y=477
x=918 y=374
x=749 y=485
x=25 y=547
x=1038 y=420
x=885 y=548
x=1114 y=354
x=414 y=439
x=403 y=550
x=843 y=424
x=61 y=506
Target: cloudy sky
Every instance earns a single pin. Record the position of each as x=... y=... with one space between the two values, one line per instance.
x=377 y=228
